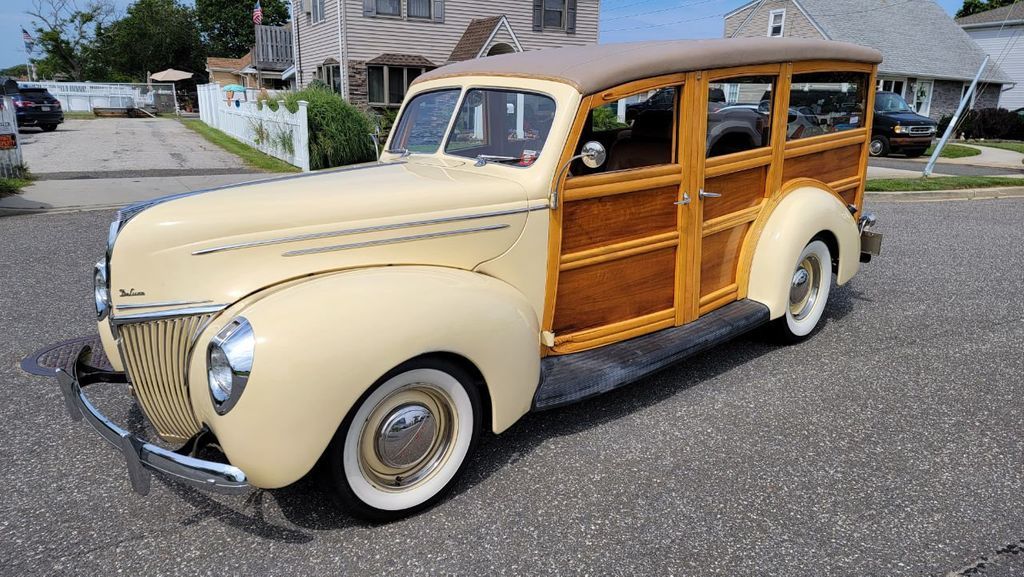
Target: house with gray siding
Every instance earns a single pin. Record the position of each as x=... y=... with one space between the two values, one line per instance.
x=370 y=50
x=999 y=32
x=928 y=58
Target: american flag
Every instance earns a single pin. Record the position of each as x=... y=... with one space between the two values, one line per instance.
x=29 y=41
x=257 y=13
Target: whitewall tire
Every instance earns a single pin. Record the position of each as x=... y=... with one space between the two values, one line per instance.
x=809 y=290
x=405 y=442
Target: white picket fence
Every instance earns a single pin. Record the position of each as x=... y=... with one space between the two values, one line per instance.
x=279 y=133
x=10 y=158
x=85 y=96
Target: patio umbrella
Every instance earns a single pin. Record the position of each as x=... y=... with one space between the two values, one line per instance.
x=233 y=88
x=171 y=75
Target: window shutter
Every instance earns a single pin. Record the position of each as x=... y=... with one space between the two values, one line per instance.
x=570 y=16
x=438 y=10
x=369 y=8
x=538 y=15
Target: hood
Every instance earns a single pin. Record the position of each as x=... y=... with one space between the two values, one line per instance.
x=906 y=118
x=217 y=246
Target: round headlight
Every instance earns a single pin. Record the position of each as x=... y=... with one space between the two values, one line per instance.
x=101 y=294
x=229 y=362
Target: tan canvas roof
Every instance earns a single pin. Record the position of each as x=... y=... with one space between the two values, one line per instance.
x=601 y=66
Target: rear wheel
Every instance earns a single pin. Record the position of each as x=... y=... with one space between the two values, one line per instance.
x=879 y=146
x=48 y=127
x=406 y=442
x=913 y=152
x=808 y=293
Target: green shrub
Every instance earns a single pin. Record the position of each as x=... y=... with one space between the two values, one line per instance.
x=606 y=119
x=987 y=123
x=339 y=133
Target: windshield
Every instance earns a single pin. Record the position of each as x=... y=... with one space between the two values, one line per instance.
x=502 y=126
x=422 y=126
x=889 y=102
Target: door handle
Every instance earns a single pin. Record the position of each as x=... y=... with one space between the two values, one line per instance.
x=685 y=201
x=704 y=194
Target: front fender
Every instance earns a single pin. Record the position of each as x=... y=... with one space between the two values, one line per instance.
x=801 y=215
x=321 y=343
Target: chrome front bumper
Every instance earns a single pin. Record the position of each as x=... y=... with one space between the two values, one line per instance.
x=143 y=457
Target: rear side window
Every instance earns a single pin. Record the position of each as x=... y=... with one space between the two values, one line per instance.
x=739 y=114
x=825 y=103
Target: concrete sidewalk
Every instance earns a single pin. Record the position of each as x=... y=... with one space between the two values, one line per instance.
x=989 y=157
x=93 y=193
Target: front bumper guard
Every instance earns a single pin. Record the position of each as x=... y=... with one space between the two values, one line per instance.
x=143 y=457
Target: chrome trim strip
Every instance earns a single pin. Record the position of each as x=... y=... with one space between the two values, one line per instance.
x=160 y=304
x=396 y=240
x=383 y=227
x=169 y=314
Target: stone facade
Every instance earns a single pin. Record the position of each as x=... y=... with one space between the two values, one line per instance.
x=946 y=97
x=358 y=92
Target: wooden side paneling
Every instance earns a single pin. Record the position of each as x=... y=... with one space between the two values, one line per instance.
x=611 y=219
x=739 y=190
x=615 y=291
x=721 y=256
x=827 y=166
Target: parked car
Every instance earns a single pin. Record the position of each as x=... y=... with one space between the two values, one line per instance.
x=897 y=128
x=498 y=260
x=37 y=107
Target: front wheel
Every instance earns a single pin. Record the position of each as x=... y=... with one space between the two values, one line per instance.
x=879 y=146
x=404 y=444
x=808 y=292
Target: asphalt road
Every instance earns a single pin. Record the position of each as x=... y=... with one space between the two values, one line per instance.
x=888 y=445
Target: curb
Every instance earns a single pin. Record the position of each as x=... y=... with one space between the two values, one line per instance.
x=964 y=194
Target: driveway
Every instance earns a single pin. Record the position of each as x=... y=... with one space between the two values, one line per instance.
x=889 y=444
x=124 y=147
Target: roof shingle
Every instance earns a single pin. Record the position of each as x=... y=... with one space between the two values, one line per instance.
x=472 y=41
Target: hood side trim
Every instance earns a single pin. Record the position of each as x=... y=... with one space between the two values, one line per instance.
x=395 y=240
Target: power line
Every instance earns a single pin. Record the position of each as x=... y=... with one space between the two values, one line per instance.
x=638 y=14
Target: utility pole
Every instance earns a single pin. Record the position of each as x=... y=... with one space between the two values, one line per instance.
x=955 y=120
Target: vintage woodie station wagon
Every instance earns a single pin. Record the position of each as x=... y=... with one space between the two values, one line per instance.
x=541 y=228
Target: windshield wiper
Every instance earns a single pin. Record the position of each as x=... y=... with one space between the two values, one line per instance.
x=482 y=159
x=403 y=152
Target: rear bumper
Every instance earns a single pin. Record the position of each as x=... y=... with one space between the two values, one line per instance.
x=37 y=118
x=144 y=458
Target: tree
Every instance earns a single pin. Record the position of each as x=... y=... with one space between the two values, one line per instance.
x=227 y=27
x=976 y=6
x=153 y=35
x=16 y=71
x=66 y=32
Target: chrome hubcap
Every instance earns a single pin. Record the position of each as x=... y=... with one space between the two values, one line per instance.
x=803 y=292
x=408 y=436
x=876 y=147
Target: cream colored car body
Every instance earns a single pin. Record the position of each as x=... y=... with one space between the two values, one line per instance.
x=346 y=274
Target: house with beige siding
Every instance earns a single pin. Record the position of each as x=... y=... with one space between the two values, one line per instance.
x=370 y=50
x=928 y=59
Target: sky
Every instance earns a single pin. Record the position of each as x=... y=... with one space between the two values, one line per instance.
x=621 y=21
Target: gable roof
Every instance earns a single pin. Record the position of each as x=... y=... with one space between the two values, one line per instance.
x=916 y=37
x=1012 y=14
x=592 y=68
x=228 y=64
x=473 y=39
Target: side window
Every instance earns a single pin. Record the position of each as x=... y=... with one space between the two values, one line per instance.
x=637 y=131
x=739 y=114
x=826 y=102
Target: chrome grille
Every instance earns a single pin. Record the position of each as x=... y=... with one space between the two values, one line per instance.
x=156 y=355
x=920 y=130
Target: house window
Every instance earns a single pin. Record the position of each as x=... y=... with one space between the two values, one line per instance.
x=317 y=10
x=891 y=85
x=419 y=9
x=330 y=74
x=923 y=97
x=387 y=84
x=389 y=7
x=776 y=23
x=554 y=14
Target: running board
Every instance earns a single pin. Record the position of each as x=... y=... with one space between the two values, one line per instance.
x=566 y=379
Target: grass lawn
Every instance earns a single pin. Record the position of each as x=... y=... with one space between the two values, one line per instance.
x=940 y=183
x=79 y=116
x=250 y=155
x=9 y=186
x=954 y=151
x=1013 y=145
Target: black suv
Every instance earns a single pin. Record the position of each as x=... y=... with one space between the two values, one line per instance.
x=897 y=128
x=37 y=107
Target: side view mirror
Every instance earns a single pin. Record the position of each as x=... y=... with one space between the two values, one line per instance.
x=593 y=154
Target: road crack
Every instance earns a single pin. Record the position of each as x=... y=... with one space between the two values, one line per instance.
x=983 y=563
